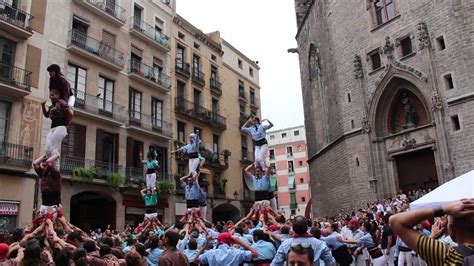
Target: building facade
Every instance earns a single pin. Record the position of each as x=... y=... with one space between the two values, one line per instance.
x=120 y=59
x=387 y=96
x=290 y=174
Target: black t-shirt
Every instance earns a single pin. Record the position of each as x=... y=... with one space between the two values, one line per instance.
x=386 y=233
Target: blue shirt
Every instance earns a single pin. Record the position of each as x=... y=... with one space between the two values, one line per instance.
x=202 y=197
x=191 y=254
x=321 y=250
x=191 y=192
x=191 y=147
x=266 y=250
x=331 y=241
x=257 y=132
x=262 y=183
x=153 y=257
x=367 y=241
x=225 y=255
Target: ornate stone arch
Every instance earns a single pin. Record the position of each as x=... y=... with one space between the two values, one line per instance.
x=383 y=102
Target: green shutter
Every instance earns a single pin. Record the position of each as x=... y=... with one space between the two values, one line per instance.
x=273 y=183
x=293 y=198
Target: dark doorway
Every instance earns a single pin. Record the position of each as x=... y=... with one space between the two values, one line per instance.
x=225 y=212
x=417 y=170
x=91 y=210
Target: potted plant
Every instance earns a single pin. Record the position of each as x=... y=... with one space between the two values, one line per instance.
x=165 y=187
x=114 y=180
x=84 y=174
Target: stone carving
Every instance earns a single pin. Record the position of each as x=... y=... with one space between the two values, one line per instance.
x=388 y=48
x=31 y=115
x=408 y=144
x=358 y=71
x=436 y=102
x=366 y=125
x=409 y=111
x=314 y=63
x=423 y=36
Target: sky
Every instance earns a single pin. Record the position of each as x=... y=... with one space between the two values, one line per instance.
x=263 y=30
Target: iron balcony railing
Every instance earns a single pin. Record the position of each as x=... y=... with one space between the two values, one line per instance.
x=215 y=85
x=183 y=67
x=198 y=76
x=15 y=76
x=204 y=115
x=215 y=159
x=150 y=32
x=98 y=105
x=152 y=74
x=15 y=155
x=150 y=123
x=247 y=156
x=15 y=16
x=109 y=7
x=137 y=175
x=69 y=163
x=96 y=47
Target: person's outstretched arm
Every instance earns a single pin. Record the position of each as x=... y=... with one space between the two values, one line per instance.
x=270 y=124
x=246 y=124
x=248 y=170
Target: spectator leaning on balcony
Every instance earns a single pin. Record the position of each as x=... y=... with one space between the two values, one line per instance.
x=59 y=82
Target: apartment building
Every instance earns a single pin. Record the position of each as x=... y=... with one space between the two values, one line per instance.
x=290 y=175
x=120 y=58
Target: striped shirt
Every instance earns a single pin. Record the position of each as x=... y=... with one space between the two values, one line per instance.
x=434 y=252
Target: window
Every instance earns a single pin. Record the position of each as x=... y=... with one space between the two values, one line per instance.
x=455 y=123
x=180 y=89
x=352 y=124
x=301 y=180
x=134 y=148
x=181 y=132
x=158 y=27
x=252 y=97
x=180 y=56
x=272 y=136
x=291 y=167
x=375 y=60
x=181 y=169
x=196 y=65
x=74 y=144
x=106 y=94
x=293 y=202
x=300 y=163
x=80 y=27
x=198 y=131
x=273 y=167
x=137 y=12
x=272 y=154
x=239 y=63
x=197 y=98
x=106 y=150
x=156 y=112
x=243 y=139
x=349 y=98
x=4 y=119
x=283 y=135
x=215 y=143
x=241 y=89
x=289 y=151
x=303 y=199
x=384 y=11
x=406 y=46
x=108 y=39
x=448 y=82
x=181 y=35
x=135 y=104
x=77 y=79
x=251 y=71
x=291 y=182
x=357 y=162
x=215 y=106
x=196 y=45
x=296 y=133
x=213 y=57
x=440 y=44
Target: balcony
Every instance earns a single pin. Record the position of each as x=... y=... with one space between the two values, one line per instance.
x=216 y=86
x=106 y=9
x=243 y=118
x=148 y=75
x=95 y=50
x=153 y=126
x=293 y=205
x=242 y=97
x=136 y=175
x=247 y=157
x=182 y=68
x=148 y=33
x=93 y=106
x=200 y=113
x=14 y=82
x=198 y=77
x=218 y=161
x=254 y=103
x=15 y=157
x=15 y=21
x=69 y=163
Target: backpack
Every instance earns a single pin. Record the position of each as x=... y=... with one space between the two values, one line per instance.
x=467 y=253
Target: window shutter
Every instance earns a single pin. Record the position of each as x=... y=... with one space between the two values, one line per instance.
x=99 y=145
